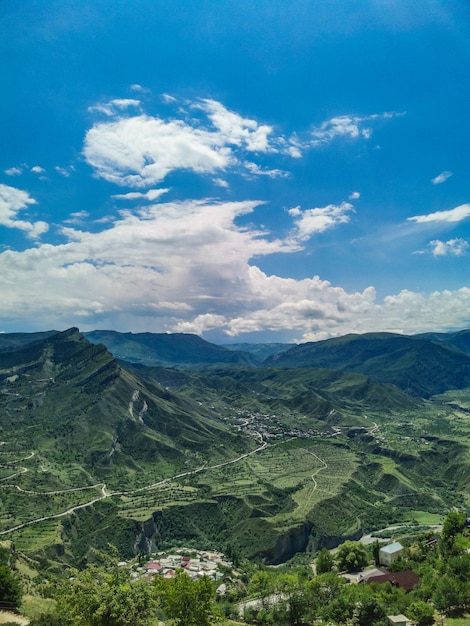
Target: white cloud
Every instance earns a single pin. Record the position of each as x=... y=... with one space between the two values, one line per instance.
x=236 y=130
x=188 y=267
x=458 y=214
x=139 y=150
x=256 y=170
x=318 y=220
x=347 y=126
x=63 y=171
x=77 y=218
x=355 y=195
x=12 y=201
x=453 y=247
x=441 y=178
x=37 y=169
x=113 y=107
x=14 y=171
x=151 y=195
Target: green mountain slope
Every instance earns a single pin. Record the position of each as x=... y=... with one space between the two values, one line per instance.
x=419 y=366
x=97 y=413
x=269 y=461
x=163 y=349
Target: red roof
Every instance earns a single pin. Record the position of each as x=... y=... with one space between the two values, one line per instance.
x=407 y=579
x=154 y=566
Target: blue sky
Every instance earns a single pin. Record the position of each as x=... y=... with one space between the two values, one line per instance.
x=246 y=171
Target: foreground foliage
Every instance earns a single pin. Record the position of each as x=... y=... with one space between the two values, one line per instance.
x=107 y=595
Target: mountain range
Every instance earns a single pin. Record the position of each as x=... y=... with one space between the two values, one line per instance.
x=144 y=440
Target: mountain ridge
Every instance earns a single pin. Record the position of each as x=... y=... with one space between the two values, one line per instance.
x=261 y=458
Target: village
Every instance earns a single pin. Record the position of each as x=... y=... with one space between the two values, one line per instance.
x=196 y=563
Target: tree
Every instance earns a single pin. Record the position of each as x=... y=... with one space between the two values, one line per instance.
x=185 y=601
x=324 y=562
x=105 y=596
x=291 y=597
x=422 y=613
x=449 y=595
x=370 y=613
x=453 y=525
x=10 y=587
x=352 y=556
x=376 y=552
x=323 y=590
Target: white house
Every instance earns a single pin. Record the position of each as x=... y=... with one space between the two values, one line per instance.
x=389 y=554
x=398 y=620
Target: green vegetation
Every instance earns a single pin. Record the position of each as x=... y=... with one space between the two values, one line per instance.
x=104 y=593
x=269 y=462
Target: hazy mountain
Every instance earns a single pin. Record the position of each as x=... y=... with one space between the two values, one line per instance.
x=164 y=349
x=459 y=339
x=261 y=350
x=418 y=365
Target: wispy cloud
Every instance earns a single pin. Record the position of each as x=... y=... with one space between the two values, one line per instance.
x=64 y=171
x=355 y=195
x=151 y=195
x=347 y=126
x=12 y=201
x=113 y=107
x=256 y=170
x=458 y=214
x=441 y=178
x=452 y=247
x=78 y=217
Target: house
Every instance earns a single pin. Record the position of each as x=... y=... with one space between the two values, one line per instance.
x=398 y=620
x=153 y=567
x=389 y=554
x=406 y=579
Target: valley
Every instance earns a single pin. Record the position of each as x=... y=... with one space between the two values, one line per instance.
x=266 y=461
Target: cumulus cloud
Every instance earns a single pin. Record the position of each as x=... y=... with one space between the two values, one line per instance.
x=141 y=151
x=458 y=214
x=441 y=178
x=237 y=130
x=188 y=267
x=355 y=195
x=12 y=201
x=453 y=247
x=37 y=169
x=318 y=220
x=138 y=150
